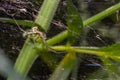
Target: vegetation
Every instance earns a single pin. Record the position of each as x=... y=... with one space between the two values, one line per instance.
x=36 y=45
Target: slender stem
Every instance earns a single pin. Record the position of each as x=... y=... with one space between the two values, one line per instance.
x=95 y=18
x=57 y=38
x=102 y=15
x=93 y=51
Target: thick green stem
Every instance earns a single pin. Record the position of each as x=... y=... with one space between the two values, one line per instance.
x=46 y=13
x=28 y=53
x=26 y=58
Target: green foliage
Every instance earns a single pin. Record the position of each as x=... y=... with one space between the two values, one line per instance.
x=64 y=68
x=109 y=55
x=109 y=70
x=113 y=51
x=6 y=68
x=74 y=22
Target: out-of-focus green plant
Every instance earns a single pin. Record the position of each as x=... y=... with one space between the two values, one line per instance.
x=6 y=68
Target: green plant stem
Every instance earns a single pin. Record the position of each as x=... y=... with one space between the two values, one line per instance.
x=28 y=53
x=46 y=13
x=26 y=58
x=57 y=38
x=102 y=15
x=80 y=50
x=20 y=22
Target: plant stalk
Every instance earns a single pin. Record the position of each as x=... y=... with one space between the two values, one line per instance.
x=46 y=13
x=28 y=53
x=102 y=15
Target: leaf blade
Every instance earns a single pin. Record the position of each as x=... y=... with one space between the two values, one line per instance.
x=74 y=22
x=64 y=68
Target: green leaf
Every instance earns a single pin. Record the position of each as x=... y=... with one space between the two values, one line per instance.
x=112 y=51
x=111 y=62
x=64 y=68
x=112 y=66
x=74 y=22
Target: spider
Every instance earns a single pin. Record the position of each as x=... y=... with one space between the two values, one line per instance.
x=35 y=30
